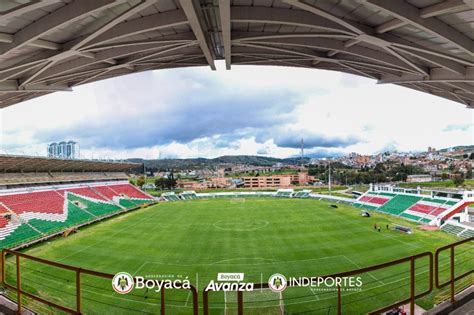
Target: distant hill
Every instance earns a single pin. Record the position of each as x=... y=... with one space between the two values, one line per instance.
x=466 y=148
x=199 y=163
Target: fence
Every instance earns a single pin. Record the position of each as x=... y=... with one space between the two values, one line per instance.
x=432 y=268
x=452 y=278
x=20 y=292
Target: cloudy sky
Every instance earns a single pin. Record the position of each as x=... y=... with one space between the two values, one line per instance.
x=197 y=112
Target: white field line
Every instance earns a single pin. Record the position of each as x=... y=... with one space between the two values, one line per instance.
x=225 y=303
x=187 y=299
x=216 y=225
x=315 y=295
x=109 y=236
x=388 y=235
x=183 y=306
x=242 y=258
x=359 y=266
x=273 y=261
x=378 y=286
x=139 y=268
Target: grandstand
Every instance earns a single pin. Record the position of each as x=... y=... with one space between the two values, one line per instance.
x=302 y=194
x=421 y=206
x=170 y=196
x=188 y=195
x=35 y=206
x=32 y=214
x=27 y=171
x=284 y=193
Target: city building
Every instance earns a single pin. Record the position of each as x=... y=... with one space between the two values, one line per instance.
x=267 y=181
x=419 y=178
x=183 y=184
x=63 y=150
x=219 y=182
x=302 y=178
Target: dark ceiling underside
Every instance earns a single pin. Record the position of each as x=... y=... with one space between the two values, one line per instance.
x=55 y=45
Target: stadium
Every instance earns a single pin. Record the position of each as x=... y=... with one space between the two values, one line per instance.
x=77 y=236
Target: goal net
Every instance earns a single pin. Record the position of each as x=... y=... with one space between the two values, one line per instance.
x=237 y=200
x=259 y=301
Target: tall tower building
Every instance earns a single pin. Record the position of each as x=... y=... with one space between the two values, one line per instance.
x=63 y=150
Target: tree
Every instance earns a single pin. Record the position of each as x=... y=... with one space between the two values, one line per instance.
x=160 y=183
x=141 y=181
x=379 y=168
x=170 y=183
x=469 y=172
x=458 y=179
x=444 y=176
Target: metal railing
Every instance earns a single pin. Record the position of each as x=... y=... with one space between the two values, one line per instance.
x=432 y=268
x=452 y=278
x=411 y=299
x=20 y=292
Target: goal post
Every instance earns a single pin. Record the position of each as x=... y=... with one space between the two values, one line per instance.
x=237 y=200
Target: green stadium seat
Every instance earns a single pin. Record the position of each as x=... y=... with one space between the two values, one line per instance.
x=410 y=217
x=44 y=212
x=398 y=204
x=467 y=233
x=452 y=229
x=96 y=208
x=22 y=234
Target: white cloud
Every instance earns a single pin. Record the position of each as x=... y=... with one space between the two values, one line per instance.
x=198 y=112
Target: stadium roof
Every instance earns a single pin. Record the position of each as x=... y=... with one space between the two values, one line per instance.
x=55 y=45
x=18 y=163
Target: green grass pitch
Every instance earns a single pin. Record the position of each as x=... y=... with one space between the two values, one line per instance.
x=258 y=237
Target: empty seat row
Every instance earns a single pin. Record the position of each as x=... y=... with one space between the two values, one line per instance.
x=452 y=229
x=35 y=214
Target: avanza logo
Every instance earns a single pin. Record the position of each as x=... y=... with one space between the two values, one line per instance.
x=229 y=282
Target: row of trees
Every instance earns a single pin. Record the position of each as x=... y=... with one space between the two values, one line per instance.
x=160 y=183
x=165 y=183
x=344 y=174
